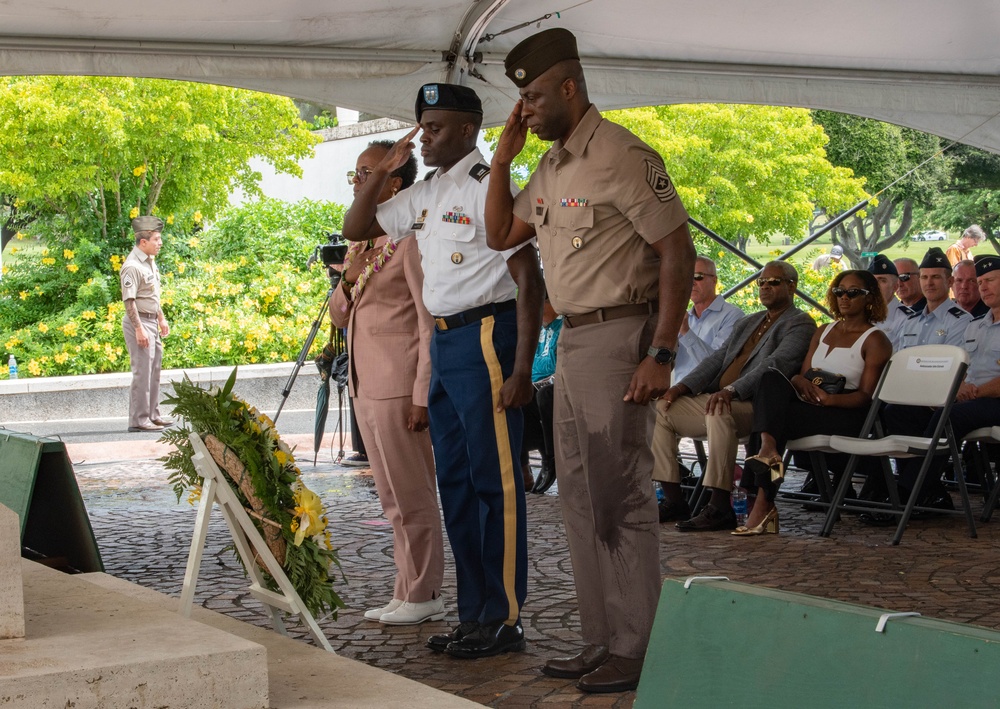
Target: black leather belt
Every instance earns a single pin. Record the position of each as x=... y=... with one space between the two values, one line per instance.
x=614 y=313
x=450 y=322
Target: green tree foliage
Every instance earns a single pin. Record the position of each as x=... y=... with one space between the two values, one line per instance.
x=882 y=153
x=743 y=171
x=95 y=151
x=972 y=195
x=235 y=293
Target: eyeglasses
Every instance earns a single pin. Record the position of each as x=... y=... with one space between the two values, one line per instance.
x=904 y=277
x=773 y=282
x=361 y=175
x=851 y=293
x=701 y=276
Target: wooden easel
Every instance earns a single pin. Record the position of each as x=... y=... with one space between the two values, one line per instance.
x=248 y=541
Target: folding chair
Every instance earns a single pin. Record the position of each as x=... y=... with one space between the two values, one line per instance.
x=818 y=446
x=927 y=375
x=982 y=437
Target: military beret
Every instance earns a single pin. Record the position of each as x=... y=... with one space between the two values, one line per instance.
x=986 y=263
x=882 y=266
x=447 y=97
x=538 y=53
x=147 y=224
x=935 y=258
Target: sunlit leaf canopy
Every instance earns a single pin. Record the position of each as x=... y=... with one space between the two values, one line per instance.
x=910 y=62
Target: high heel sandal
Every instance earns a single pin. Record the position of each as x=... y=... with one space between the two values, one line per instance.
x=765 y=470
x=767 y=525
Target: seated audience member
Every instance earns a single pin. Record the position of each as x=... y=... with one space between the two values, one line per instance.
x=966 y=291
x=941 y=322
x=716 y=398
x=538 y=412
x=961 y=250
x=709 y=322
x=885 y=273
x=977 y=404
x=783 y=410
x=908 y=290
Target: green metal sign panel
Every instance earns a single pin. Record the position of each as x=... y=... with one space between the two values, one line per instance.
x=38 y=483
x=722 y=644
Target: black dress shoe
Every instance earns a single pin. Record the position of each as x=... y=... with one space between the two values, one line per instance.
x=490 y=639
x=878 y=519
x=674 y=511
x=438 y=643
x=710 y=519
x=939 y=499
x=546 y=476
x=617 y=674
x=592 y=657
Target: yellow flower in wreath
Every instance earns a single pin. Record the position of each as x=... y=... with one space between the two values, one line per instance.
x=308 y=514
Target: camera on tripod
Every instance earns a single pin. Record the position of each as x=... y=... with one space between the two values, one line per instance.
x=332 y=254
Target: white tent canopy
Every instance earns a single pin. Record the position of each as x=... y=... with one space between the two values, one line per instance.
x=916 y=63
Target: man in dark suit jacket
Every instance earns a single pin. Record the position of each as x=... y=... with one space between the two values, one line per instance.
x=716 y=399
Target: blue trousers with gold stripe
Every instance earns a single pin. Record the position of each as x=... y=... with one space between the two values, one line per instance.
x=476 y=452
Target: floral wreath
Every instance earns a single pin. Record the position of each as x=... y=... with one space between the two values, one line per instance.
x=374 y=266
x=289 y=516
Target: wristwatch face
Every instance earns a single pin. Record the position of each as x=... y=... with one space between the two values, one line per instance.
x=662 y=355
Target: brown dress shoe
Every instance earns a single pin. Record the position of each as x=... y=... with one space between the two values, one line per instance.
x=592 y=657
x=617 y=674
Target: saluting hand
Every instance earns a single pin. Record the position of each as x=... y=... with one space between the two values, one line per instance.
x=400 y=152
x=511 y=142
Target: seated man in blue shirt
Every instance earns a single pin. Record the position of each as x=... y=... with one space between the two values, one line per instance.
x=709 y=322
x=538 y=413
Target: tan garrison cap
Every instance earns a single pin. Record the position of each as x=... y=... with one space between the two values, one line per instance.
x=535 y=55
x=147 y=224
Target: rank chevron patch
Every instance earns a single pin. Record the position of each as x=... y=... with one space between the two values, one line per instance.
x=658 y=179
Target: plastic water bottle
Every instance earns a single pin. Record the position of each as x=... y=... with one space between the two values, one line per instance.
x=12 y=367
x=740 y=505
x=659 y=492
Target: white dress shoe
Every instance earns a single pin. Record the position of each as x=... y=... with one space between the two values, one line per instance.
x=377 y=613
x=413 y=613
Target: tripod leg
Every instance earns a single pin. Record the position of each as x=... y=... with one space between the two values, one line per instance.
x=303 y=353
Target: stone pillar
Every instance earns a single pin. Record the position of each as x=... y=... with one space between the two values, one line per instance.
x=11 y=589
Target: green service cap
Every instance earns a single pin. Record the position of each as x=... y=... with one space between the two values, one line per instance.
x=535 y=55
x=147 y=224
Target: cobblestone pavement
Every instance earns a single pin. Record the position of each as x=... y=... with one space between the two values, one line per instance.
x=144 y=537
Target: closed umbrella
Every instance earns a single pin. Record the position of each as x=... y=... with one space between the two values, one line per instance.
x=332 y=365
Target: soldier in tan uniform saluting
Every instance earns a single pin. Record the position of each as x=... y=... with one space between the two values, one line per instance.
x=144 y=325
x=619 y=264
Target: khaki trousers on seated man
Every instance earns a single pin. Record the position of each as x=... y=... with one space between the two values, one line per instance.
x=687 y=417
x=715 y=400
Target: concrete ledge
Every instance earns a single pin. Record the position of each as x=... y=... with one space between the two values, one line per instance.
x=302 y=676
x=106 y=395
x=11 y=585
x=86 y=646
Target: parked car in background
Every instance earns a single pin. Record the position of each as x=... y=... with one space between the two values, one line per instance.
x=933 y=235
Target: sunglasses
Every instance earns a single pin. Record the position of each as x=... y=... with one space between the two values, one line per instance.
x=904 y=277
x=773 y=282
x=851 y=293
x=702 y=276
x=360 y=175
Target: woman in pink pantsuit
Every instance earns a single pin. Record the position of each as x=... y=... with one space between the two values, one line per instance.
x=388 y=337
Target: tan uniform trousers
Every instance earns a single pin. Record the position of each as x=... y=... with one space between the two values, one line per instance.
x=603 y=465
x=686 y=418
x=144 y=392
x=403 y=466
